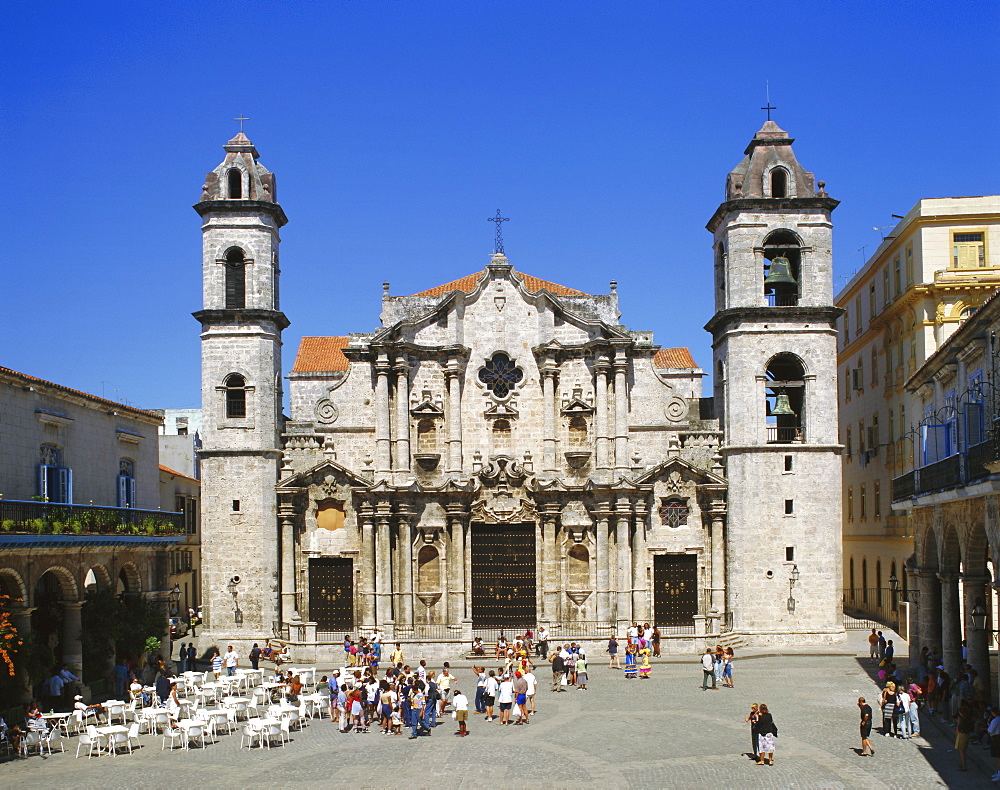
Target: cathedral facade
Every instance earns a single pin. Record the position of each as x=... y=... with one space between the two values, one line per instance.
x=503 y=452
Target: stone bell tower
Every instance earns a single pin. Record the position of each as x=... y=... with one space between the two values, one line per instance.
x=775 y=352
x=241 y=325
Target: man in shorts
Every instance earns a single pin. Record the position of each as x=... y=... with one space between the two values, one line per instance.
x=521 y=698
x=873 y=646
x=461 y=703
x=532 y=681
x=866 y=727
x=505 y=697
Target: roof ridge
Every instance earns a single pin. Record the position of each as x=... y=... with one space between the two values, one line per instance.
x=469 y=282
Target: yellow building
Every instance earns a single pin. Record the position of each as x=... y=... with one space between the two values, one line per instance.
x=940 y=262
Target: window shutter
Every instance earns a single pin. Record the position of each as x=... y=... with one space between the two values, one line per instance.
x=66 y=486
x=43 y=481
x=122 y=491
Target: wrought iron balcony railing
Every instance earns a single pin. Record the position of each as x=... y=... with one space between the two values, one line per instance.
x=51 y=518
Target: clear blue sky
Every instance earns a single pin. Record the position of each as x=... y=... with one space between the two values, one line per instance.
x=603 y=130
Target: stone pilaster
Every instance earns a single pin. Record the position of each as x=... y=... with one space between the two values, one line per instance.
x=366 y=579
x=951 y=624
x=404 y=544
x=383 y=566
x=929 y=601
x=549 y=371
x=621 y=415
x=457 y=518
x=718 y=597
x=623 y=565
x=602 y=460
x=72 y=649
x=402 y=371
x=602 y=553
x=975 y=591
x=289 y=591
x=549 y=582
x=453 y=375
x=383 y=440
x=640 y=564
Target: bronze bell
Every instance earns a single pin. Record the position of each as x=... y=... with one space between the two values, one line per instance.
x=780 y=273
x=782 y=408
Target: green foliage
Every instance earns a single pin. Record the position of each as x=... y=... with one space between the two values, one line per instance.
x=122 y=624
x=7 y=525
x=36 y=525
x=152 y=644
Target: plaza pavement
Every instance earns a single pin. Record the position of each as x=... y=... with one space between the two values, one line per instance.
x=661 y=732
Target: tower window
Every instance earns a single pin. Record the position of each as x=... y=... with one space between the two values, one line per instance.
x=782 y=264
x=785 y=400
x=788 y=463
x=779 y=183
x=789 y=507
x=236 y=286
x=236 y=396
x=789 y=554
x=235 y=178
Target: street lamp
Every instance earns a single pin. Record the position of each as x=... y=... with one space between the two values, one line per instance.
x=978 y=615
x=894 y=583
x=793 y=576
x=175 y=595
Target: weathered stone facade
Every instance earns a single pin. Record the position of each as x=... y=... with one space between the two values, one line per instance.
x=502 y=453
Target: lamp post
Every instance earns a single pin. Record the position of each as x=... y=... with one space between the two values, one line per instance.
x=978 y=616
x=793 y=577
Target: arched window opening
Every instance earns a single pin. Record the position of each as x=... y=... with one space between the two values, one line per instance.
x=674 y=512
x=878 y=578
x=428 y=581
x=501 y=436
x=578 y=431
x=579 y=567
x=851 y=577
x=426 y=436
x=235 y=178
x=126 y=482
x=864 y=580
x=782 y=264
x=784 y=394
x=236 y=396
x=55 y=481
x=235 y=279
x=330 y=515
x=779 y=182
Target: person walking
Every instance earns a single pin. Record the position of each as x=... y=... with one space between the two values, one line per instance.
x=708 y=670
x=480 y=673
x=767 y=733
x=192 y=620
x=727 y=668
x=866 y=725
x=719 y=662
x=656 y=642
x=192 y=656
x=521 y=698
x=881 y=646
x=231 y=661
x=963 y=731
x=490 y=695
x=542 y=643
x=182 y=659
x=216 y=664
x=254 y=655
x=613 y=653
x=752 y=721
x=558 y=670
x=461 y=703
x=902 y=712
x=888 y=704
x=581 y=671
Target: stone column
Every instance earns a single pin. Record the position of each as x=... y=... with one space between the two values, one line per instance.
x=404 y=612
x=602 y=460
x=978 y=642
x=366 y=579
x=549 y=372
x=718 y=598
x=549 y=582
x=623 y=566
x=289 y=591
x=640 y=564
x=601 y=554
x=930 y=608
x=456 y=564
x=453 y=375
x=383 y=567
x=621 y=415
x=383 y=440
x=951 y=624
x=72 y=649
x=22 y=623
x=402 y=371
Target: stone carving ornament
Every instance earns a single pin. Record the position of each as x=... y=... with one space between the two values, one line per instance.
x=326 y=411
x=676 y=409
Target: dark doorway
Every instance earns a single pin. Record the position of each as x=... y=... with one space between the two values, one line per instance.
x=331 y=593
x=675 y=588
x=503 y=575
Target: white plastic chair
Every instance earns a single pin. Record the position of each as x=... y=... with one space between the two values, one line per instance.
x=196 y=732
x=72 y=724
x=161 y=721
x=116 y=739
x=251 y=735
x=33 y=738
x=117 y=710
x=133 y=735
x=240 y=707
x=274 y=731
x=173 y=735
x=92 y=742
x=293 y=718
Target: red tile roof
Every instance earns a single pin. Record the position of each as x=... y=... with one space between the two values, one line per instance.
x=175 y=473
x=533 y=284
x=321 y=354
x=673 y=358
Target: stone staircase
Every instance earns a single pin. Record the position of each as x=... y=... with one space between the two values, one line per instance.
x=732 y=640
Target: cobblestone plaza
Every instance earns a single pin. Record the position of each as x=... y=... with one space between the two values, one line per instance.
x=661 y=732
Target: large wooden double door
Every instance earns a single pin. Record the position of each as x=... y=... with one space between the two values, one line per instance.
x=503 y=575
x=675 y=589
x=331 y=593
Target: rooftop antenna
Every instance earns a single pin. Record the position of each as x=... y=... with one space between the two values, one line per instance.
x=862 y=249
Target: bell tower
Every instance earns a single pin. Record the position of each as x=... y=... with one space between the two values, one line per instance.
x=241 y=325
x=775 y=363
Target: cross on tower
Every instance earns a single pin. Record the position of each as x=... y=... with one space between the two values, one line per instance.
x=498 y=243
x=241 y=119
x=767 y=88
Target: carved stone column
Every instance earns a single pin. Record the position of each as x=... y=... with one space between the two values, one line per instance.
x=930 y=608
x=602 y=460
x=951 y=625
x=457 y=517
x=640 y=564
x=367 y=575
x=549 y=583
x=549 y=372
x=289 y=587
x=383 y=440
x=72 y=648
x=22 y=623
x=383 y=564
x=977 y=642
x=453 y=375
x=623 y=564
x=402 y=371
x=621 y=415
x=404 y=544
x=718 y=597
x=602 y=517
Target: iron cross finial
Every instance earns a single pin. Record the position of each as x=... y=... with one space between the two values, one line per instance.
x=498 y=243
x=767 y=88
x=241 y=119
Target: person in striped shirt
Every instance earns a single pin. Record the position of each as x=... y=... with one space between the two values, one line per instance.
x=216 y=664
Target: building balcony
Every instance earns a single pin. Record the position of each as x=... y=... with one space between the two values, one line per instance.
x=51 y=518
x=955 y=471
x=777 y=434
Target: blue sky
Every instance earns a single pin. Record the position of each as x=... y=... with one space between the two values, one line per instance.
x=603 y=130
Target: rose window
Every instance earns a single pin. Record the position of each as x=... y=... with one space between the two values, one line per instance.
x=500 y=375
